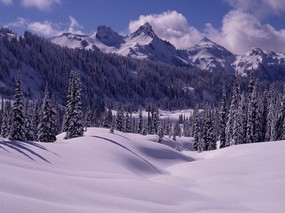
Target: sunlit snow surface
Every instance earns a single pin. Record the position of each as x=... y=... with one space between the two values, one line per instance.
x=104 y=172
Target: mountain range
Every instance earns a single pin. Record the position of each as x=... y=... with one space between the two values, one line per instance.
x=205 y=55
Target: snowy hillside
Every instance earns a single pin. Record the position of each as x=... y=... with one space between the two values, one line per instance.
x=205 y=55
x=269 y=64
x=121 y=172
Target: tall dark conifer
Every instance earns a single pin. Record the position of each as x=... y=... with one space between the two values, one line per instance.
x=75 y=126
x=6 y=121
x=17 y=130
x=222 y=120
x=47 y=125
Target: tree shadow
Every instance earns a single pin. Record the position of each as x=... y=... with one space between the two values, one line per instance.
x=126 y=148
x=25 y=148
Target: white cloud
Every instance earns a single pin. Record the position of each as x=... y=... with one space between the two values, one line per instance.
x=40 y=4
x=7 y=2
x=74 y=26
x=241 y=31
x=46 y=28
x=171 y=26
x=259 y=8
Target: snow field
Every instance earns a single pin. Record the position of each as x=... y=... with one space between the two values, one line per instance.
x=122 y=172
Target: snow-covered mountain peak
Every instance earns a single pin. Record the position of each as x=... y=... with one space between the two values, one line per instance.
x=207 y=55
x=205 y=41
x=108 y=37
x=255 y=52
x=144 y=30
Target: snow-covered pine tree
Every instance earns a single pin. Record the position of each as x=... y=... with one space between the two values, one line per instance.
x=231 y=115
x=270 y=124
x=149 y=119
x=145 y=129
x=70 y=102
x=140 y=124
x=36 y=117
x=251 y=114
x=280 y=119
x=223 y=119
x=6 y=124
x=113 y=124
x=155 y=121
x=75 y=126
x=28 y=122
x=105 y=120
x=17 y=130
x=211 y=139
x=160 y=134
x=196 y=132
x=46 y=129
x=128 y=123
x=264 y=115
x=87 y=120
x=120 y=119
x=261 y=115
x=238 y=128
x=168 y=127
x=186 y=128
x=177 y=129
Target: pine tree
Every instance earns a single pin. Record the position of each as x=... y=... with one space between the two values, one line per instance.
x=105 y=120
x=160 y=134
x=113 y=124
x=196 y=131
x=222 y=120
x=231 y=115
x=87 y=120
x=145 y=129
x=155 y=121
x=211 y=139
x=186 y=128
x=168 y=127
x=280 y=120
x=6 y=122
x=264 y=115
x=270 y=124
x=251 y=115
x=261 y=115
x=140 y=125
x=70 y=102
x=28 y=122
x=36 y=117
x=238 y=128
x=120 y=119
x=47 y=125
x=177 y=129
x=17 y=130
x=128 y=123
x=75 y=125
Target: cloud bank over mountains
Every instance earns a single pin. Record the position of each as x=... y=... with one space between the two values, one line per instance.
x=242 y=27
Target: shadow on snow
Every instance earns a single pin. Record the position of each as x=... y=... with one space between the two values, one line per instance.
x=26 y=148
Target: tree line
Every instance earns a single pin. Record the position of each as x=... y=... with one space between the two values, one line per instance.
x=255 y=116
x=39 y=121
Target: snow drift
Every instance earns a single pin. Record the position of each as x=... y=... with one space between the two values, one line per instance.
x=104 y=172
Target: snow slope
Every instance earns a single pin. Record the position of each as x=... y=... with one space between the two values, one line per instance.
x=104 y=172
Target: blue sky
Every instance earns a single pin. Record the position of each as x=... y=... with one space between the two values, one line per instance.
x=236 y=24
